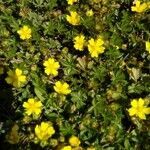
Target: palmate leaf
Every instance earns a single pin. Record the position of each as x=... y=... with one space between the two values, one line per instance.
x=49 y=4
x=101 y=109
x=119 y=77
x=67 y=129
x=38 y=2
x=99 y=73
x=79 y=98
x=69 y=65
x=98 y=105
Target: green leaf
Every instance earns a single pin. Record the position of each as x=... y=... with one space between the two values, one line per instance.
x=69 y=65
x=79 y=98
x=39 y=93
x=67 y=129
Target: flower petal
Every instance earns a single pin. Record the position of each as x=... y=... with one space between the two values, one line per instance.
x=134 y=103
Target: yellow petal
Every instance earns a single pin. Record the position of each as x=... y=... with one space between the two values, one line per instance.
x=23 y=37
x=39 y=104
x=22 y=78
x=91 y=41
x=45 y=63
x=51 y=60
x=28 y=112
x=44 y=126
x=134 y=103
x=56 y=89
x=138 y=3
x=55 y=73
x=51 y=130
x=65 y=86
x=56 y=65
x=18 y=72
x=25 y=105
x=148 y=46
x=94 y=54
x=133 y=8
x=141 y=115
x=37 y=129
x=100 y=42
x=132 y=111
x=19 y=31
x=58 y=84
x=140 y=102
x=31 y=101
x=146 y=110
x=37 y=111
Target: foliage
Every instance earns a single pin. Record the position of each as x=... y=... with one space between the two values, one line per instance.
x=95 y=107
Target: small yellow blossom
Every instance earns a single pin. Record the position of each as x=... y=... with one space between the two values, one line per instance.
x=13 y=136
x=139 y=7
x=138 y=109
x=44 y=131
x=89 y=13
x=32 y=106
x=66 y=148
x=96 y=47
x=74 y=141
x=15 y=78
x=24 y=32
x=147 y=46
x=62 y=88
x=70 y=2
x=74 y=18
x=79 y=42
x=51 y=67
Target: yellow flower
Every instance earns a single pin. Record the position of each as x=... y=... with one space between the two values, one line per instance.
x=95 y=47
x=66 y=148
x=147 y=46
x=15 y=78
x=139 y=7
x=51 y=67
x=24 y=32
x=62 y=88
x=74 y=18
x=32 y=106
x=44 y=131
x=79 y=42
x=138 y=109
x=89 y=13
x=70 y=2
x=74 y=141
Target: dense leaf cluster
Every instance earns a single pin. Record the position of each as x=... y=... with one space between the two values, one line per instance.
x=102 y=88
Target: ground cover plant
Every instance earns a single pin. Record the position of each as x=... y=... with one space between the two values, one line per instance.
x=74 y=74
